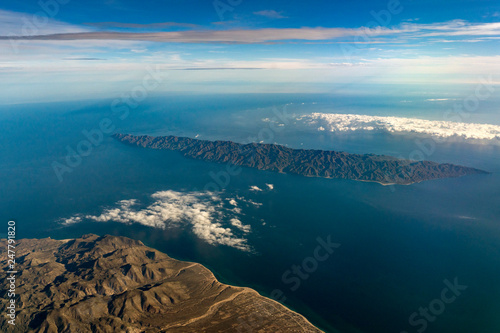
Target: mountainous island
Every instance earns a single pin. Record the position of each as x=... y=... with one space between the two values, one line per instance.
x=382 y=169
x=116 y=284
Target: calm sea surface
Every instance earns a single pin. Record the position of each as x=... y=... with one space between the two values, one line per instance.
x=397 y=243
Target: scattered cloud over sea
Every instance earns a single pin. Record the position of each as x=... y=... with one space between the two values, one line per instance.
x=207 y=215
x=400 y=125
x=255 y=188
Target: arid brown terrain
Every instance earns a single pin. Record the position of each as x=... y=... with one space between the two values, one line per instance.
x=116 y=284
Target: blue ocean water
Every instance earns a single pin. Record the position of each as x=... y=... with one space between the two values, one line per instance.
x=397 y=243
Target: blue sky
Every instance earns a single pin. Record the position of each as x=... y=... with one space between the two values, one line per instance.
x=298 y=13
x=59 y=49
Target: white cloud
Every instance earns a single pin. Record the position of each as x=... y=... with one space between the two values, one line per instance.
x=237 y=223
x=72 y=220
x=225 y=36
x=249 y=201
x=235 y=208
x=270 y=14
x=459 y=28
x=23 y=24
x=255 y=188
x=405 y=30
x=203 y=212
x=434 y=128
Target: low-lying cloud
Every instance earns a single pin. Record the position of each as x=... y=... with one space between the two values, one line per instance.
x=435 y=128
x=255 y=188
x=205 y=213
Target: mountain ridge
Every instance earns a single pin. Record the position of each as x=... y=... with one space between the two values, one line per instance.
x=117 y=284
x=386 y=170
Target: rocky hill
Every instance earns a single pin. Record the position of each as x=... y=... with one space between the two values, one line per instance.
x=306 y=162
x=116 y=284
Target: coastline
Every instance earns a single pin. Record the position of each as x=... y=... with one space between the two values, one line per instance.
x=272 y=306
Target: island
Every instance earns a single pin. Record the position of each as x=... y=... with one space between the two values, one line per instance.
x=386 y=170
x=117 y=284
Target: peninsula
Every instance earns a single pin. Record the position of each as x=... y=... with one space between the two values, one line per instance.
x=116 y=284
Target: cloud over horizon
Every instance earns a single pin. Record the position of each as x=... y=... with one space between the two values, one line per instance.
x=434 y=128
x=245 y=55
x=12 y=23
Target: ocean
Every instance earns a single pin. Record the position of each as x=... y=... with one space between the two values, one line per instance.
x=397 y=248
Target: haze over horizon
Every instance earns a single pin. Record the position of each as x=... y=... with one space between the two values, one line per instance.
x=97 y=49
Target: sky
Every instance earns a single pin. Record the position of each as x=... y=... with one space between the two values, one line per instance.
x=63 y=49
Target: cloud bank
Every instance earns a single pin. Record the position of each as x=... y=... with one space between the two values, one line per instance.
x=435 y=128
x=203 y=212
x=455 y=28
